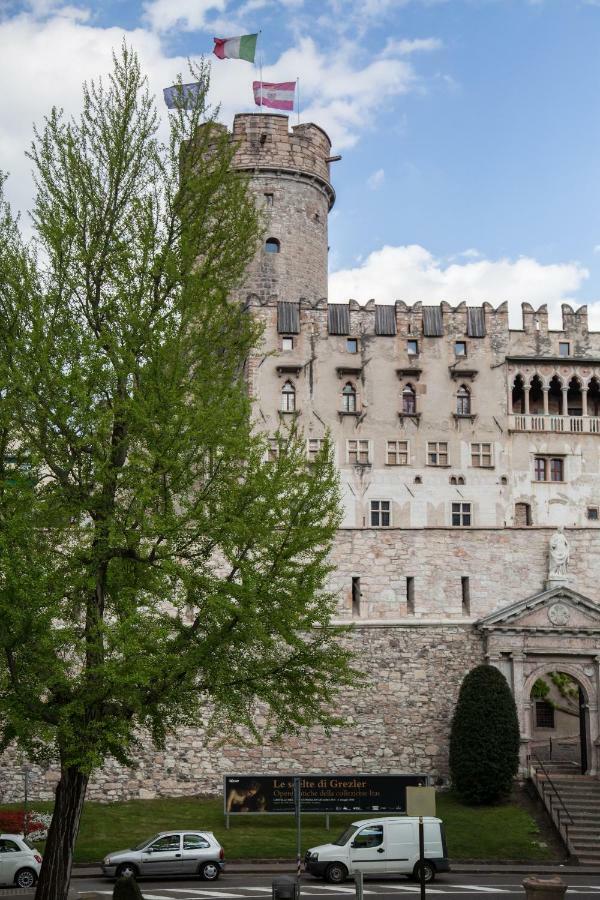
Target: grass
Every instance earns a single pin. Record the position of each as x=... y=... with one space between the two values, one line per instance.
x=504 y=832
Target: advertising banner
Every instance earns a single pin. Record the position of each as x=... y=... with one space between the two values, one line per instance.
x=319 y=793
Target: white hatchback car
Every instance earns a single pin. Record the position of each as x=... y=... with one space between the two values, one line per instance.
x=20 y=862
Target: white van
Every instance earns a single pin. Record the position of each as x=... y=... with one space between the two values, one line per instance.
x=385 y=846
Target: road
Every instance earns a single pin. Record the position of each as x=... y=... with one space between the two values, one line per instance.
x=255 y=887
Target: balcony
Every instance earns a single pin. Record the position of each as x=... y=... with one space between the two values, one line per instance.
x=554 y=423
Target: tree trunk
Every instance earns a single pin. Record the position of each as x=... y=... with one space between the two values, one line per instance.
x=58 y=855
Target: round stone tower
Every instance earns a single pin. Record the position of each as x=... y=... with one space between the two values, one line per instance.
x=289 y=173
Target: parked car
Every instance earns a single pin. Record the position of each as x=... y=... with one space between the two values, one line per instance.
x=388 y=845
x=20 y=862
x=169 y=853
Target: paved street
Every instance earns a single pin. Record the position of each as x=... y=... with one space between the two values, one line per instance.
x=254 y=887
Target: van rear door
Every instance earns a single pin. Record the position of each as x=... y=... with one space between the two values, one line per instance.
x=402 y=847
x=367 y=850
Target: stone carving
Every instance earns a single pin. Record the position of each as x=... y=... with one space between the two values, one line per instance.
x=559 y=614
x=559 y=555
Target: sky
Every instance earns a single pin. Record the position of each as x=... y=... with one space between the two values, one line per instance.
x=469 y=129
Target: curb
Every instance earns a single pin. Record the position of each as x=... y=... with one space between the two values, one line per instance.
x=277 y=867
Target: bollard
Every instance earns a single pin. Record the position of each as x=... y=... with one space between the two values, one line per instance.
x=285 y=888
x=544 y=888
x=358 y=885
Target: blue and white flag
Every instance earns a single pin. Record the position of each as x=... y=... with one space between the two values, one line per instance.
x=181 y=96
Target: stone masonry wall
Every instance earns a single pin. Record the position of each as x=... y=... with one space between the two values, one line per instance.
x=398 y=720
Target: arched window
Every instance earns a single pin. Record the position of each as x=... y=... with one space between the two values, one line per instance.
x=453 y=479
x=463 y=401
x=272 y=245
x=409 y=400
x=349 y=398
x=288 y=397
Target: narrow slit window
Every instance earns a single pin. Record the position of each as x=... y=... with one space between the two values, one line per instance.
x=466 y=595
x=410 y=595
x=356 y=596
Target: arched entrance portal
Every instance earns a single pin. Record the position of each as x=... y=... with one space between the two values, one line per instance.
x=559 y=727
x=554 y=631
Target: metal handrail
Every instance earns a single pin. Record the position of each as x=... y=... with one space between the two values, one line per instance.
x=558 y=797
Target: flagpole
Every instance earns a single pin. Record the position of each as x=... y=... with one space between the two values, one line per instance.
x=298 y=101
x=260 y=67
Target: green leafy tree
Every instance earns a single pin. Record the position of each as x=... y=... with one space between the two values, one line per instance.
x=153 y=564
x=484 y=738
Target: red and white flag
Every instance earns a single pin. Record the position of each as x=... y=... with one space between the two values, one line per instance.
x=275 y=96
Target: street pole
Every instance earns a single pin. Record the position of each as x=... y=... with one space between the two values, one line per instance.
x=25 y=799
x=422 y=857
x=297 y=804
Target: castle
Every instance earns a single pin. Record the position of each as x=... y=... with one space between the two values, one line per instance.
x=462 y=446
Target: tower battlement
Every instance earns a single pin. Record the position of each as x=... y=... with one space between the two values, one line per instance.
x=265 y=143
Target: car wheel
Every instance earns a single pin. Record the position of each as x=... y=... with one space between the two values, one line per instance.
x=336 y=873
x=428 y=870
x=209 y=871
x=25 y=878
x=127 y=870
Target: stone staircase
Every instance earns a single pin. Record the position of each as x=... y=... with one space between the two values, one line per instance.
x=580 y=795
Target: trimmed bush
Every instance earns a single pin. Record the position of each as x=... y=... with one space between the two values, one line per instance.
x=484 y=739
x=127 y=889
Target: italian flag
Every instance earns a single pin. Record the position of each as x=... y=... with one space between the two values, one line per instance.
x=242 y=47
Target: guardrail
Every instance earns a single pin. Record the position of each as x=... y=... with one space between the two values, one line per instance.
x=560 y=424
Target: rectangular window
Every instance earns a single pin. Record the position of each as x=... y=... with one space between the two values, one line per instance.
x=461 y=515
x=466 y=595
x=397 y=453
x=314 y=447
x=592 y=513
x=437 y=453
x=481 y=456
x=460 y=348
x=356 y=596
x=412 y=348
x=269 y=199
x=548 y=468
x=358 y=452
x=352 y=345
x=380 y=513
x=287 y=343
x=544 y=714
x=522 y=514
x=273 y=450
x=564 y=348
x=410 y=595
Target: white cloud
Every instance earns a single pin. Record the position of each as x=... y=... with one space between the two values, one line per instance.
x=52 y=57
x=55 y=48
x=342 y=97
x=375 y=180
x=405 y=47
x=187 y=15
x=412 y=273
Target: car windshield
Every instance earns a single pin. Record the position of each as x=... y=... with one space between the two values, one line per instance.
x=145 y=842
x=346 y=835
